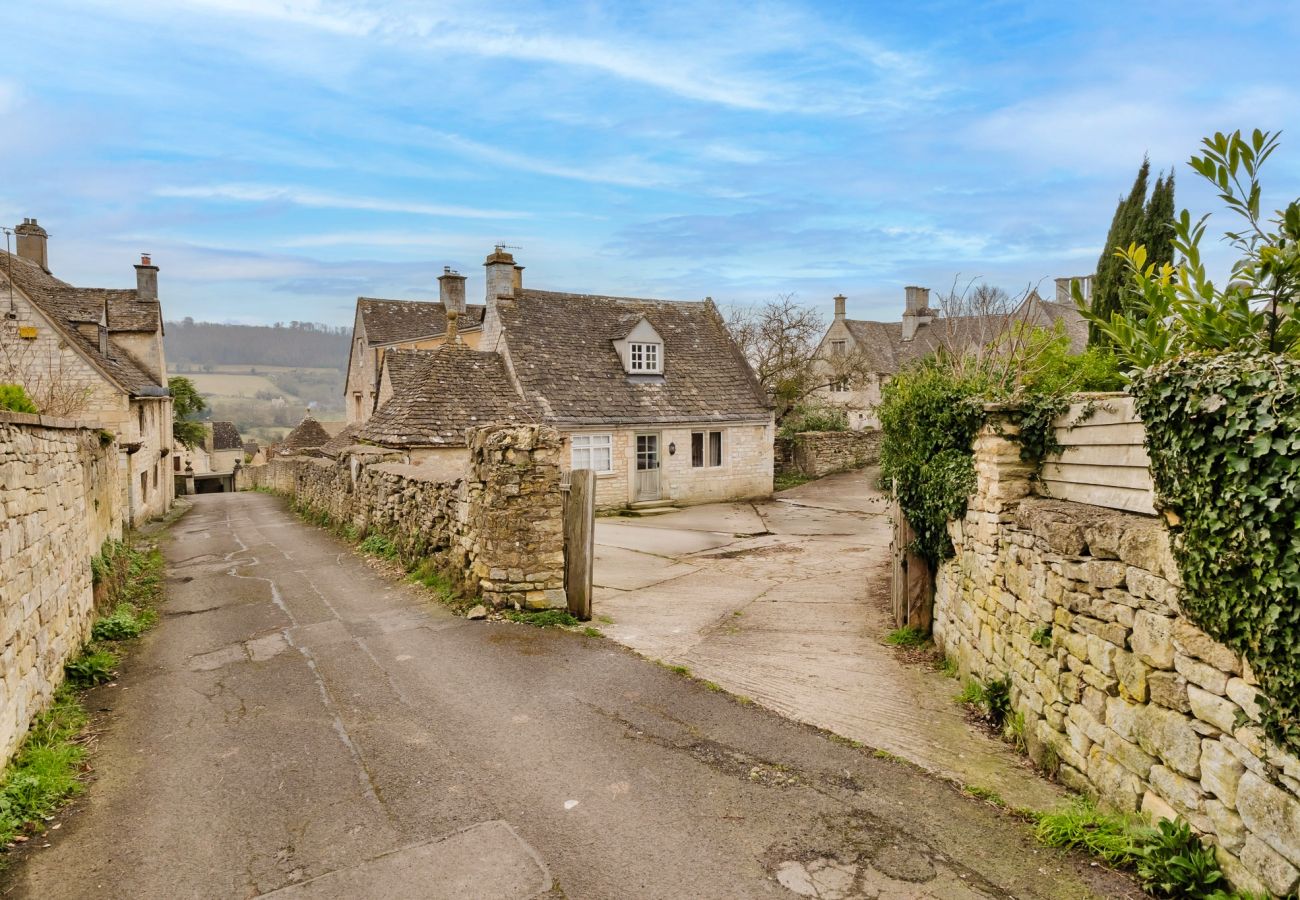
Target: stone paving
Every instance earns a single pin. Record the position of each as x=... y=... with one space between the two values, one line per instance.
x=784 y=601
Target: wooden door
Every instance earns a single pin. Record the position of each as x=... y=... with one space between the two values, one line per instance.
x=647 y=467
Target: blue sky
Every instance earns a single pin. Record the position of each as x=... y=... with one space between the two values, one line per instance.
x=280 y=157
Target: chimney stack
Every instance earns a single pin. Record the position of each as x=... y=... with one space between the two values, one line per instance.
x=500 y=267
x=33 y=243
x=519 y=280
x=916 y=311
x=451 y=291
x=146 y=279
x=918 y=301
x=839 y=307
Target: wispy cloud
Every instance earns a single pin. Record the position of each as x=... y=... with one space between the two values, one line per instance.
x=256 y=193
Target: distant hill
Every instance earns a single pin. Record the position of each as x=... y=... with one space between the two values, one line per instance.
x=191 y=345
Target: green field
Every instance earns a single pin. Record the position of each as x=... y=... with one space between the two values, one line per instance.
x=231 y=385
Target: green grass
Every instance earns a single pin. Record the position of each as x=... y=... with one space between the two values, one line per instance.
x=948 y=668
x=985 y=794
x=1081 y=826
x=604 y=620
x=785 y=482
x=972 y=693
x=44 y=772
x=593 y=632
x=907 y=637
x=711 y=686
x=542 y=618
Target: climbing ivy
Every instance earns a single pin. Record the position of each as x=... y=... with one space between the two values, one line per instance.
x=929 y=417
x=1223 y=434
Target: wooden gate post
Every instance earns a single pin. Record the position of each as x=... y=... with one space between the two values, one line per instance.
x=580 y=541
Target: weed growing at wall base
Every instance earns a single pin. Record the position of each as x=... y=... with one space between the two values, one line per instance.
x=47 y=768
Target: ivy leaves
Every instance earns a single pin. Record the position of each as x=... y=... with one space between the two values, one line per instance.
x=1223 y=434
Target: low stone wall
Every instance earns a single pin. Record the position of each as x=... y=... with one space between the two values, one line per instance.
x=818 y=453
x=59 y=502
x=497 y=531
x=1079 y=607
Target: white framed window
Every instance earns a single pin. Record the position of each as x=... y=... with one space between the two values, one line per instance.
x=593 y=451
x=840 y=387
x=706 y=449
x=645 y=358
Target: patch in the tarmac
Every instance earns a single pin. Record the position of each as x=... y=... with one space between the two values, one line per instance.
x=856 y=857
x=488 y=861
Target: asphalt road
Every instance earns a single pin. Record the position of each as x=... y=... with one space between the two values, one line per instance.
x=306 y=723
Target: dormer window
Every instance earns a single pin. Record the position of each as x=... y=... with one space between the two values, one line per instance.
x=645 y=358
x=641 y=350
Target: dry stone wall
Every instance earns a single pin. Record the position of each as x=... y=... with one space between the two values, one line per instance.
x=1079 y=607
x=59 y=502
x=498 y=531
x=818 y=453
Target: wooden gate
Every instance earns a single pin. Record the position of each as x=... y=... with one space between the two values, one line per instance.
x=913 y=585
x=579 y=489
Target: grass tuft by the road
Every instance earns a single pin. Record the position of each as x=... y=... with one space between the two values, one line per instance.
x=48 y=767
x=542 y=618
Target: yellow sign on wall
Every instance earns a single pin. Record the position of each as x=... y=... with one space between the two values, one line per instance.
x=27 y=332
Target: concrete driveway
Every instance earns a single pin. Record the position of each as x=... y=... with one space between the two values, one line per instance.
x=784 y=601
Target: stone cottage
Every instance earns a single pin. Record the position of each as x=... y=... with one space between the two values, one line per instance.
x=210 y=466
x=651 y=394
x=883 y=348
x=383 y=325
x=96 y=355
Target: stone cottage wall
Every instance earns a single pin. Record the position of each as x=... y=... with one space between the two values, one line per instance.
x=498 y=530
x=59 y=502
x=818 y=453
x=1079 y=607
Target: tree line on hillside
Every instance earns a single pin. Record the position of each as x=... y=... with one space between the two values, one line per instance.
x=295 y=344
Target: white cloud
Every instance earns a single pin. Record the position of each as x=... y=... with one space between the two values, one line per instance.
x=255 y=193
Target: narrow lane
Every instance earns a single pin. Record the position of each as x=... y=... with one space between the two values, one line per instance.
x=301 y=722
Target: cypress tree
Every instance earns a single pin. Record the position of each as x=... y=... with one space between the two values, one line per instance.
x=1157 y=235
x=1125 y=227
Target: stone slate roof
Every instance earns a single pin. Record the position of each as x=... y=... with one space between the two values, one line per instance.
x=405 y=367
x=225 y=436
x=883 y=345
x=390 y=321
x=67 y=305
x=307 y=435
x=562 y=353
x=454 y=389
x=341 y=441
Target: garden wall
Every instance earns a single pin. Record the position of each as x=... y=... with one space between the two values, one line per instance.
x=818 y=453
x=1128 y=700
x=498 y=531
x=59 y=502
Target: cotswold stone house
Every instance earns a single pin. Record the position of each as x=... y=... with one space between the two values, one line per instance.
x=653 y=395
x=383 y=325
x=885 y=348
x=95 y=355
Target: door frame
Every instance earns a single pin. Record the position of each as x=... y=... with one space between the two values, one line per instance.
x=637 y=470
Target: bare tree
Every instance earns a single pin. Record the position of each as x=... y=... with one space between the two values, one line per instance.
x=983 y=331
x=44 y=373
x=780 y=339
